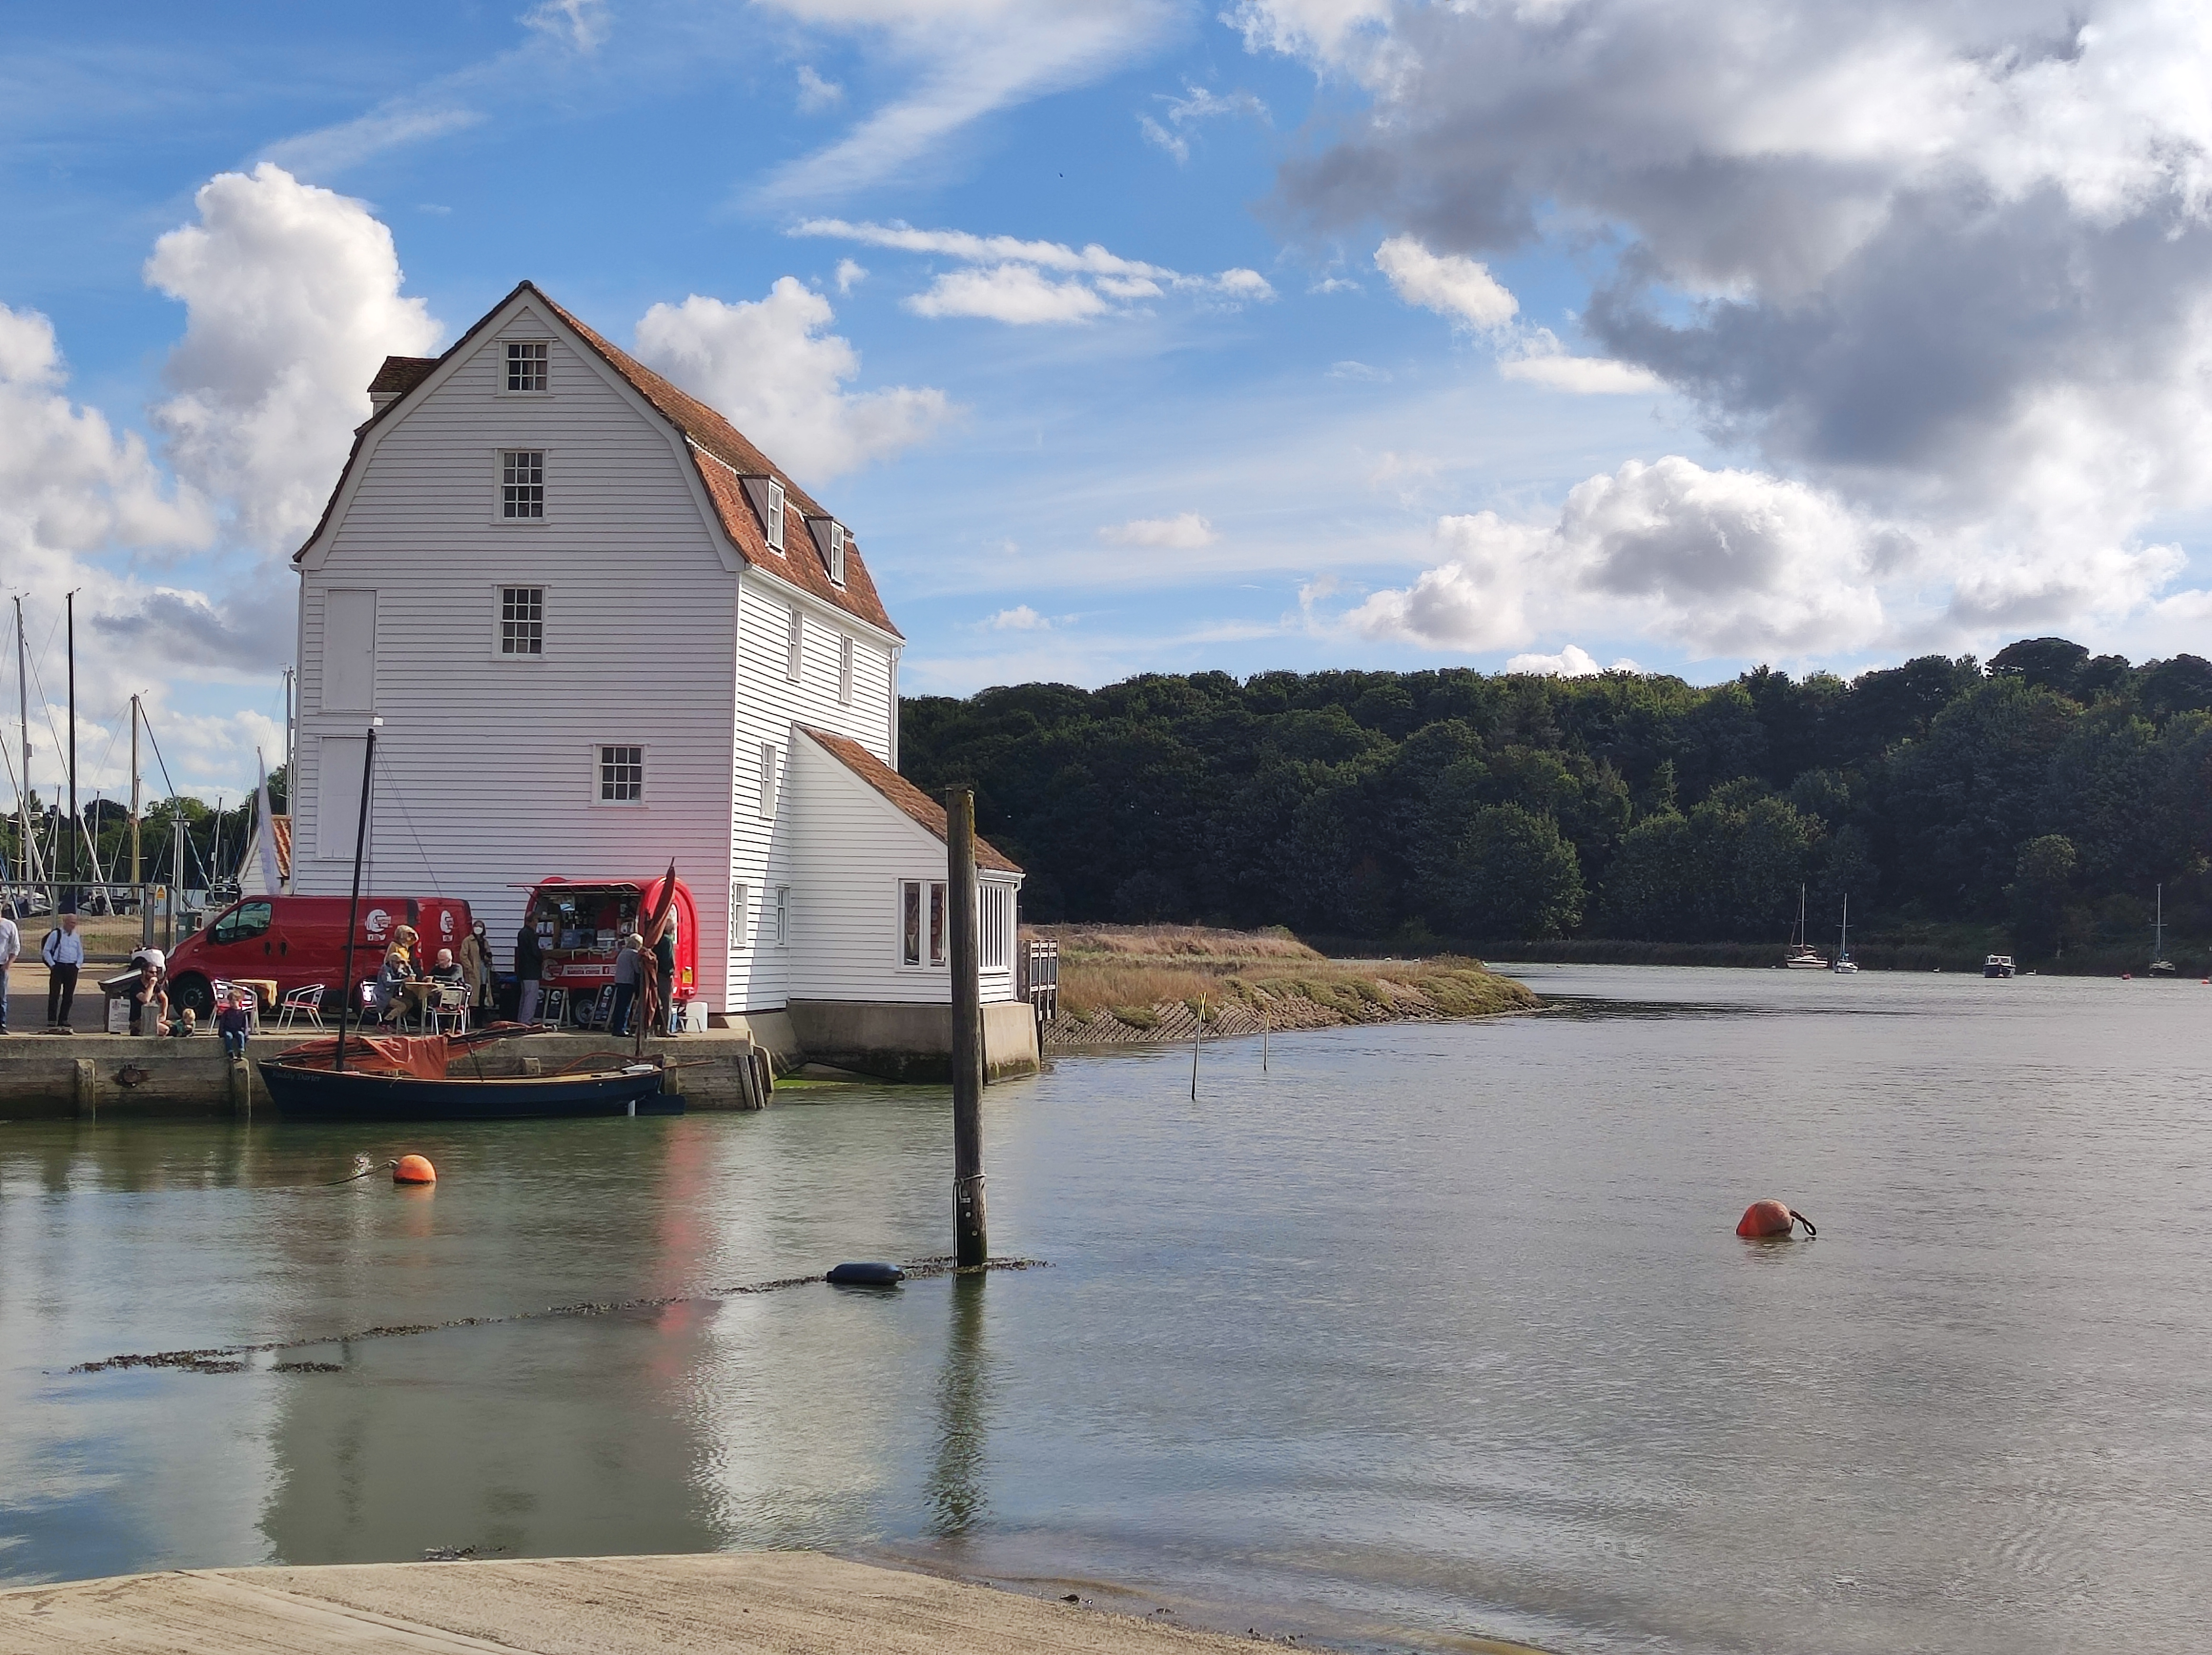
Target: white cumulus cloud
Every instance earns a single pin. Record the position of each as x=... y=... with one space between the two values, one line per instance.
x=1948 y=268
x=292 y=302
x=1185 y=531
x=1572 y=662
x=769 y=366
x=1450 y=284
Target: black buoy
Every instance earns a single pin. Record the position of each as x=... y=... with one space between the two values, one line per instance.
x=866 y=1275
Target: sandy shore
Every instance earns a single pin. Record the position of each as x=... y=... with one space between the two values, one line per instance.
x=788 y=1602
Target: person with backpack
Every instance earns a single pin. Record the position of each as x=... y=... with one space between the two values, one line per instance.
x=63 y=952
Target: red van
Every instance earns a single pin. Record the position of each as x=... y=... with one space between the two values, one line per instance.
x=580 y=922
x=301 y=940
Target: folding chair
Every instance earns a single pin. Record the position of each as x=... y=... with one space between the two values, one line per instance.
x=305 y=1003
x=450 y=1002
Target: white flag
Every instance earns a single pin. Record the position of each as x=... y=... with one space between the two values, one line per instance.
x=265 y=833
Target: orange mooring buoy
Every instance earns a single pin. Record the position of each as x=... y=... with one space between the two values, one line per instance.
x=414 y=1169
x=1770 y=1221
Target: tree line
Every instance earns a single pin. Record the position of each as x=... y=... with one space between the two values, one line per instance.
x=2048 y=793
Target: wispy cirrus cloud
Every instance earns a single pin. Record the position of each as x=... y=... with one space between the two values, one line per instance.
x=1004 y=278
x=963 y=60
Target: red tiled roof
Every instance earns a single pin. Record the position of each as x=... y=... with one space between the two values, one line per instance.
x=279 y=829
x=721 y=453
x=917 y=805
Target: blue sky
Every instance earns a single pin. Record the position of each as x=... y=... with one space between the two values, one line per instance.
x=1391 y=440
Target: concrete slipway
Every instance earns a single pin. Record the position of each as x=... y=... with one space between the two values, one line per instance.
x=741 y=1603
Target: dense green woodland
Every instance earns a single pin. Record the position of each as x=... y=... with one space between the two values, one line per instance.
x=2047 y=793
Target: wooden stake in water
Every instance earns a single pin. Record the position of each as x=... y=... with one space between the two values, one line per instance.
x=1265 y=1020
x=1196 y=1036
x=971 y=1244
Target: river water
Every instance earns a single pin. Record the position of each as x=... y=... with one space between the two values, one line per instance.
x=1429 y=1334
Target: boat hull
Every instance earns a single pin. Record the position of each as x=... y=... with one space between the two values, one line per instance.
x=321 y=1094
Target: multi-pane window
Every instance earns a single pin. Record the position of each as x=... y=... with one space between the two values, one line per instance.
x=525 y=365
x=922 y=922
x=622 y=775
x=782 y=915
x=836 y=558
x=737 y=942
x=522 y=619
x=774 y=515
x=995 y=920
x=845 y=670
x=794 y=647
x=767 y=768
x=522 y=482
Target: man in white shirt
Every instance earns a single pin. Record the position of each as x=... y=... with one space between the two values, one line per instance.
x=63 y=952
x=11 y=944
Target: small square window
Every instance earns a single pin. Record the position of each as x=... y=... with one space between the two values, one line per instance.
x=622 y=775
x=522 y=619
x=525 y=365
x=522 y=482
x=845 y=670
x=794 y=648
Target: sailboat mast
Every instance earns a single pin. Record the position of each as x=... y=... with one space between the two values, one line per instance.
x=353 y=908
x=74 y=868
x=23 y=714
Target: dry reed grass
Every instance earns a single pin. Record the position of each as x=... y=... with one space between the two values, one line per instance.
x=1173 y=944
x=1132 y=988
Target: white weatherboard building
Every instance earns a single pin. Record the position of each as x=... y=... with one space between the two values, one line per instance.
x=602 y=630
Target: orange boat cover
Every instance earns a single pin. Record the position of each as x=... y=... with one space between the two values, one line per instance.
x=422 y=1056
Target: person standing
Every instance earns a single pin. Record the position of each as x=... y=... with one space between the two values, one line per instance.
x=629 y=965
x=63 y=952
x=475 y=966
x=663 y=961
x=11 y=945
x=529 y=970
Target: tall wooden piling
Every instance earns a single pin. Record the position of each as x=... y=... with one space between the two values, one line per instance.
x=970 y=1244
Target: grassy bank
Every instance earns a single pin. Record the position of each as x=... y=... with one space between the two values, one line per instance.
x=1120 y=982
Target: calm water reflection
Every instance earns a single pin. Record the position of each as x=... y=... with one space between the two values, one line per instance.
x=1440 y=1329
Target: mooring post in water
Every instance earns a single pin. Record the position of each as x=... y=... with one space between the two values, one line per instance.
x=347 y=992
x=1265 y=1020
x=1196 y=1035
x=970 y=1244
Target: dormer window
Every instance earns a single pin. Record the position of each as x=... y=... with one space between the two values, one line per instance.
x=766 y=496
x=525 y=365
x=830 y=541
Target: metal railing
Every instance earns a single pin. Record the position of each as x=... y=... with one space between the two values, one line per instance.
x=1040 y=977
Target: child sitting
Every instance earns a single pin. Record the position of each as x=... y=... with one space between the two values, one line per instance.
x=186 y=1024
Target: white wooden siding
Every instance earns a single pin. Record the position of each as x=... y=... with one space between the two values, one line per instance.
x=486 y=763
x=844 y=874
x=769 y=706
